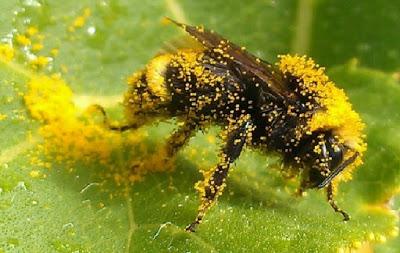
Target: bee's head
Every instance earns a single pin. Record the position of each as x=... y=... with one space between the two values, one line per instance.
x=324 y=158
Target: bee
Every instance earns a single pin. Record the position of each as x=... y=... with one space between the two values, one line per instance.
x=290 y=108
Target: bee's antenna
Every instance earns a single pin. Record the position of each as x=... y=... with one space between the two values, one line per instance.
x=107 y=124
x=168 y=19
x=338 y=170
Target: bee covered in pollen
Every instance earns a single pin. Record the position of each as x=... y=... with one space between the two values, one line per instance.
x=290 y=107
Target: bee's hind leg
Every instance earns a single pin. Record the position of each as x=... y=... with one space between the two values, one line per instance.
x=106 y=122
x=213 y=185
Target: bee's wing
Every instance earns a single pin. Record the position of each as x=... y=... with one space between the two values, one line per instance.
x=246 y=61
x=181 y=42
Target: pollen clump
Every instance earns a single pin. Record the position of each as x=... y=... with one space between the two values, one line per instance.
x=333 y=110
x=49 y=100
x=70 y=135
x=47 y=97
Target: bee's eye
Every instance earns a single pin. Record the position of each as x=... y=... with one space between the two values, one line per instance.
x=315 y=177
x=337 y=158
x=329 y=157
x=335 y=153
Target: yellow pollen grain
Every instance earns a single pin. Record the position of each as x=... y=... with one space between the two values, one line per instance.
x=371 y=237
x=37 y=47
x=80 y=21
x=394 y=232
x=34 y=174
x=31 y=31
x=40 y=62
x=54 y=51
x=381 y=238
x=2 y=116
x=23 y=40
x=6 y=52
x=356 y=244
x=86 y=12
x=211 y=139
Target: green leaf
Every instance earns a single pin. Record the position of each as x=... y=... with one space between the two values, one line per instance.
x=363 y=29
x=393 y=245
x=90 y=205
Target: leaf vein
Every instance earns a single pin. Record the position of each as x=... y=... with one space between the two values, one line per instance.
x=302 y=34
x=132 y=224
x=9 y=154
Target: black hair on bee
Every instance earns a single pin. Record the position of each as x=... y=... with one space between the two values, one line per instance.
x=290 y=107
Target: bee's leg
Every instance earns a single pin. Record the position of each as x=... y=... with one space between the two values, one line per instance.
x=213 y=185
x=179 y=138
x=329 y=194
x=106 y=122
x=165 y=155
x=300 y=191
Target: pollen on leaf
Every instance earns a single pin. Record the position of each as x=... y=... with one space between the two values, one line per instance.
x=2 y=116
x=47 y=96
x=54 y=51
x=80 y=21
x=32 y=31
x=37 y=47
x=381 y=238
x=34 y=174
x=23 y=40
x=40 y=62
x=49 y=100
x=394 y=232
x=6 y=52
x=71 y=135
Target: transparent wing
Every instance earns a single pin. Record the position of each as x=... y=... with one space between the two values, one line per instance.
x=246 y=61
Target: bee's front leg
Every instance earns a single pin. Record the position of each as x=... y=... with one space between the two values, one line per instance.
x=332 y=202
x=106 y=121
x=213 y=185
x=180 y=137
x=174 y=143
